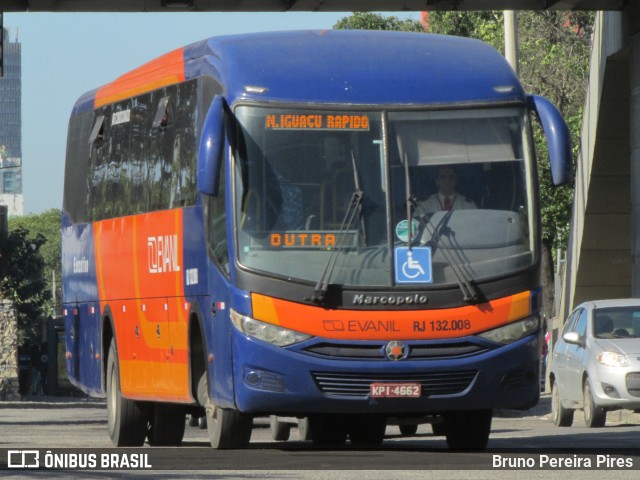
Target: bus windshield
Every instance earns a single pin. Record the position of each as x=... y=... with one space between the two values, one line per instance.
x=311 y=182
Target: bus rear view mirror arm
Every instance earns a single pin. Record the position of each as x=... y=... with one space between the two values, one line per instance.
x=211 y=144
x=558 y=139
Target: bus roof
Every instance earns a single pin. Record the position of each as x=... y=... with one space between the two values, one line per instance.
x=358 y=67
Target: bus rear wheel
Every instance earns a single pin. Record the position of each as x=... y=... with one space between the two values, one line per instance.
x=468 y=430
x=227 y=427
x=126 y=419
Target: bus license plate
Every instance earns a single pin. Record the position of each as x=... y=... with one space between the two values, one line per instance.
x=395 y=390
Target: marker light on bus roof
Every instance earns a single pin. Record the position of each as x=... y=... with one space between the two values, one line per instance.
x=254 y=89
x=503 y=88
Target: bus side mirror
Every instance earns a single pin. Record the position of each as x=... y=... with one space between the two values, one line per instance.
x=211 y=148
x=558 y=139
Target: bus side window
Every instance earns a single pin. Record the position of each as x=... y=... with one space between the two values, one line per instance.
x=216 y=216
x=98 y=165
x=77 y=167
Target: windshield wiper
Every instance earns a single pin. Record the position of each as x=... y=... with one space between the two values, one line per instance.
x=469 y=290
x=355 y=206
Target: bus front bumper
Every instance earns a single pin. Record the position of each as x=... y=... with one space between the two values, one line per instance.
x=290 y=381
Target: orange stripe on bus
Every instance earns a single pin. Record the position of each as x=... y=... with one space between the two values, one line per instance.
x=391 y=324
x=165 y=70
x=173 y=387
x=139 y=266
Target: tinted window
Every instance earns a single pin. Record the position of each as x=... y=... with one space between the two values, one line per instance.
x=131 y=165
x=75 y=174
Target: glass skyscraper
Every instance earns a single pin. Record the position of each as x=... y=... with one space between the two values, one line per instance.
x=11 y=126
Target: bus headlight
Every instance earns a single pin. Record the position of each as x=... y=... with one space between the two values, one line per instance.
x=513 y=331
x=273 y=334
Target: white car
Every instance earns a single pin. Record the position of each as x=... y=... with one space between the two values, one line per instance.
x=595 y=364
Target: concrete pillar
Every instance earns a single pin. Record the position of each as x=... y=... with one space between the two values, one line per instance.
x=9 y=382
x=634 y=140
x=511 y=39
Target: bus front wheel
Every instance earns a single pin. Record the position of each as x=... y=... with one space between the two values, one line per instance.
x=327 y=430
x=366 y=431
x=127 y=419
x=166 y=425
x=468 y=430
x=227 y=428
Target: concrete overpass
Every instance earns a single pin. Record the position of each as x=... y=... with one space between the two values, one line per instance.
x=302 y=5
x=603 y=258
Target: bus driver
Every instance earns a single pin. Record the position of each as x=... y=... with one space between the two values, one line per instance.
x=446 y=198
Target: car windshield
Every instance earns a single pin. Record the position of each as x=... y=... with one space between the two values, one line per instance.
x=617 y=322
x=323 y=193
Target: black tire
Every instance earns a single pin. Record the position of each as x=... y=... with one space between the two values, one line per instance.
x=468 y=430
x=327 y=430
x=408 y=430
x=126 y=419
x=366 y=431
x=594 y=416
x=439 y=429
x=227 y=428
x=166 y=425
x=562 y=417
x=280 y=431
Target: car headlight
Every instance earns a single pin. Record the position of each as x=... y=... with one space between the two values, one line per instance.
x=612 y=359
x=267 y=332
x=513 y=331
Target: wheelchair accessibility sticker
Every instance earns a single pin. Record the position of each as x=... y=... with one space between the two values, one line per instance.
x=413 y=265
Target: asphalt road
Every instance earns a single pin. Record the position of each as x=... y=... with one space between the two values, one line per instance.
x=526 y=441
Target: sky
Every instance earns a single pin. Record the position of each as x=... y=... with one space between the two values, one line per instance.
x=67 y=54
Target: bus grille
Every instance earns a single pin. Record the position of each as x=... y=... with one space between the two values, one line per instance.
x=358 y=384
x=376 y=352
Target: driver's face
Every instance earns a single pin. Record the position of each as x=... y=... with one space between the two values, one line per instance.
x=446 y=181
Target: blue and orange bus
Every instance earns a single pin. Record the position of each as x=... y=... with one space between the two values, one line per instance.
x=246 y=232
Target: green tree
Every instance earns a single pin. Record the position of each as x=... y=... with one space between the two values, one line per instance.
x=376 y=21
x=22 y=280
x=487 y=26
x=554 y=62
x=45 y=225
x=554 y=50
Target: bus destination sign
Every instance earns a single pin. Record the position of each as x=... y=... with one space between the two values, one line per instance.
x=316 y=121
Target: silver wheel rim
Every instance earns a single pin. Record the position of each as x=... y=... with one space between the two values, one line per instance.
x=112 y=399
